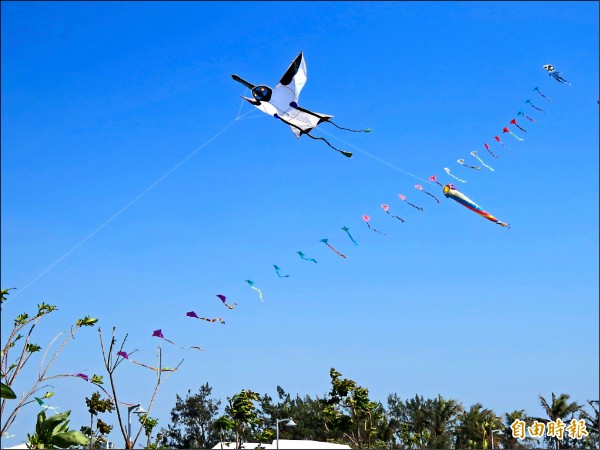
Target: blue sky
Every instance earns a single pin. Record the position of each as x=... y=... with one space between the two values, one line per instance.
x=101 y=100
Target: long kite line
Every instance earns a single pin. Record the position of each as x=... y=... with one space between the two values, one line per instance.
x=126 y=207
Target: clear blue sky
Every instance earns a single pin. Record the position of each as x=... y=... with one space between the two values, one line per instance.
x=99 y=100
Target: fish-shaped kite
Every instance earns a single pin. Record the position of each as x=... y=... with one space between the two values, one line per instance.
x=282 y=103
x=451 y=192
x=386 y=209
x=326 y=242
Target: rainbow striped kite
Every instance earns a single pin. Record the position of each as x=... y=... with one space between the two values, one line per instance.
x=451 y=192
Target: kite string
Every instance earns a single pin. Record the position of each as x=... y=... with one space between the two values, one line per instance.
x=124 y=208
x=376 y=158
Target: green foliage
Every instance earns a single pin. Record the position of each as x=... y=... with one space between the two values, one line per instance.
x=87 y=321
x=244 y=414
x=53 y=432
x=97 y=404
x=350 y=411
x=193 y=421
x=7 y=392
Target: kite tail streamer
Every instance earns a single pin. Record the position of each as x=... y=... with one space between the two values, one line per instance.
x=537 y=89
x=419 y=187
x=251 y=283
x=415 y=206
x=195 y=316
x=278 y=270
x=325 y=241
x=346 y=154
x=349 y=235
x=366 y=130
x=386 y=209
x=474 y=153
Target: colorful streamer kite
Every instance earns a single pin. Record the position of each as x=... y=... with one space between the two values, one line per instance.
x=462 y=162
x=502 y=144
x=366 y=219
x=159 y=334
x=414 y=206
x=434 y=179
x=349 y=235
x=195 y=316
x=43 y=404
x=554 y=74
x=224 y=300
x=521 y=113
x=278 y=270
x=326 y=242
x=386 y=209
x=251 y=283
x=451 y=192
x=528 y=101
x=126 y=356
x=302 y=256
x=456 y=178
x=506 y=130
x=514 y=122
x=537 y=89
x=487 y=147
x=474 y=153
x=419 y=187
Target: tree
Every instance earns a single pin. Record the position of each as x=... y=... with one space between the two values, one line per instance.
x=350 y=411
x=224 y=426
x=193 y=421
x=20 y=341
x=559 y=408
x=420 y=423
x=112 y=359
x=475 y=427
x=306 y=412
x=53 y=432
x=97 y=405
x=244 y=415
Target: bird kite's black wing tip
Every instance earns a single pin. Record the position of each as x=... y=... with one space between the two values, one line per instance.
x=346 y=154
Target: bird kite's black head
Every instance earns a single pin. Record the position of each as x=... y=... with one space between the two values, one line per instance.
x=262 y=93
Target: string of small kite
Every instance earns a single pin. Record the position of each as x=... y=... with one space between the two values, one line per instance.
x=449 y=190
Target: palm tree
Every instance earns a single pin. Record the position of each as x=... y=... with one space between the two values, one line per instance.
x=508 y=441
x=559 y=408
x=474 y=430
x=443 y=415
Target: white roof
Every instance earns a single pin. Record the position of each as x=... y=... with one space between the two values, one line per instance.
x=286 y=444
